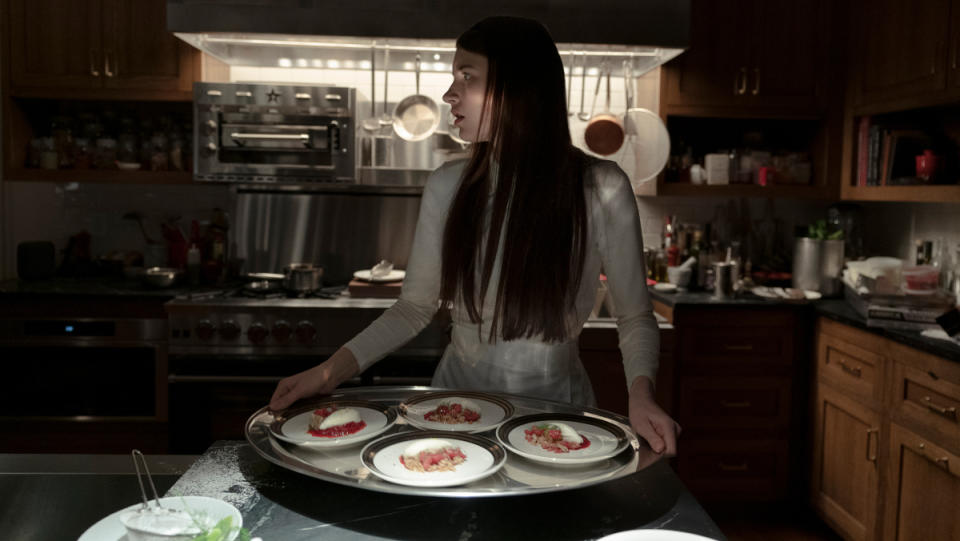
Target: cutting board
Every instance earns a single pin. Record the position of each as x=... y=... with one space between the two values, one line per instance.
x=368 y=290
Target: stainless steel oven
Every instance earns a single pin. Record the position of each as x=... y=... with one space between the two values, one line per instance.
x=274 y=133
x=83 y=384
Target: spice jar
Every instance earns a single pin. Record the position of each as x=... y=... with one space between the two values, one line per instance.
x=159 y=158
x=48 y=153
x=106 y=156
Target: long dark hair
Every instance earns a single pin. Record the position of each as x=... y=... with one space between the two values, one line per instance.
x=538 y=194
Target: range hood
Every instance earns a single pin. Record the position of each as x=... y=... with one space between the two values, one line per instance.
x=329 y=34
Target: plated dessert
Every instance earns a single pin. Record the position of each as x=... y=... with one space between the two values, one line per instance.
x=456 y=411
x=432 y=458
x=431 y=455
x=556 y=437
x=333 y=423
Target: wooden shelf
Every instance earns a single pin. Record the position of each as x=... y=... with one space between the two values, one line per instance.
x=106 y=176
x=920 y=194
x=745 y=190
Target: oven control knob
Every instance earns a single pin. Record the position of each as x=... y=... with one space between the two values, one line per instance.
x=306 y=332
x=257 y=333
x=281 y=331
x=210 y=149
x=210 y=127
x=205 y=329
x=229 y=330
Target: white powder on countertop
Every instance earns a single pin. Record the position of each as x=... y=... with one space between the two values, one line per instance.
x=217 y=474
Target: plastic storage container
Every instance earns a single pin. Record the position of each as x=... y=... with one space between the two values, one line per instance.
x=921 y=280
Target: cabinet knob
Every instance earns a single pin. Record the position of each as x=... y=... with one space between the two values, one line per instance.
x=107 y=53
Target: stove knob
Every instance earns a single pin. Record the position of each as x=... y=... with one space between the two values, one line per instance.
x=229 y=330
x=281 y=331
x=257 y=333
x=210 y=127
x=205 y=329
x=306 y=332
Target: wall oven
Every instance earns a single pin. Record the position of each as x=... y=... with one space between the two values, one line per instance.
x=274 y=133
x=83 y=384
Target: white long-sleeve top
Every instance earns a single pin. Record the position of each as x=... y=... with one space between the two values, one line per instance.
x=527 y=366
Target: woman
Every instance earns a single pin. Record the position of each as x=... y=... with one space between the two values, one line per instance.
x=512 y=240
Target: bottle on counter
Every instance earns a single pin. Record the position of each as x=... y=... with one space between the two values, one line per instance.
x=193 y=265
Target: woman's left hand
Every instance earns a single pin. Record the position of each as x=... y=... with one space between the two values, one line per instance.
x=650 y=421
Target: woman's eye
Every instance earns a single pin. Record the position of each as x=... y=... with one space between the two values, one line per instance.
x=467 y=77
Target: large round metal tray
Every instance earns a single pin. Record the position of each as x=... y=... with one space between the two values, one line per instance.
x=519 y=476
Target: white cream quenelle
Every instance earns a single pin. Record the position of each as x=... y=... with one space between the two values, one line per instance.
x=429 y=444
x=464 y=403
x=528 y=367
x=568 y=434
x=340 y=417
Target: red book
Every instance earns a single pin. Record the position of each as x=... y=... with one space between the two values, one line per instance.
x=863 y=151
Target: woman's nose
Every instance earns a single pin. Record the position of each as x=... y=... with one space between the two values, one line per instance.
x=450 y=96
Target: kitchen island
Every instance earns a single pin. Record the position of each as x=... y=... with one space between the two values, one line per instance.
x=278 y=504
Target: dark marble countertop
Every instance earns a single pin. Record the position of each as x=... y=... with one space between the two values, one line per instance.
x=280 y=504
x=94 y=287
x=836 y=309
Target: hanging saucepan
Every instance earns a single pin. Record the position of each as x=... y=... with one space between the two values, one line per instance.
x=417 y=116
x=302 y=277
x=604 y=133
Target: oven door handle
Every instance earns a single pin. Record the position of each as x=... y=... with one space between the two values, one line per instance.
x=174 y=378
x=305 y=137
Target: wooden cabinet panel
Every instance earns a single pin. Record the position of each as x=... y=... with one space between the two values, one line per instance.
x=923 y=489
x=850 y=367
x=928 y=403
x=140 y=51
x=714 y=69
x=953 y=74
x=55 y=43
x=903 y=47
x=845 y=475
x=789 y=53
x=741 y=469
x=731 y=403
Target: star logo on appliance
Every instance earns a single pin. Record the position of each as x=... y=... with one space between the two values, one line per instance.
x=273 y=96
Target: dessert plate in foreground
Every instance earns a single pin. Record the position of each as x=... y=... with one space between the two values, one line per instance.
x=210 y=510
x=456 y=411
x=559 y=438
x=354 y=421
x=433 y=458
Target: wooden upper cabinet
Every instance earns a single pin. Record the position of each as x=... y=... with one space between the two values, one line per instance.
x=55 y=43
x=97 y=49
x=902 y=49
x=140 y=51
x=713 y=70
x=748 y=54
x=953 y=69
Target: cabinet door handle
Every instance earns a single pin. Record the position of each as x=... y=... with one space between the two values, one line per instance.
x=733 y=467
x=953 y=55
x=740 y=82
x=949 y=413
x=734 y=347
x=756 y=81
x=93 y=63
x=937 y=57
x=736 y=405
x=852 y=370
x=106 y=63
x=872 y=456
x=943 y=461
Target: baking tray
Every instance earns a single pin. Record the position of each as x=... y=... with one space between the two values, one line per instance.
x=519 y=476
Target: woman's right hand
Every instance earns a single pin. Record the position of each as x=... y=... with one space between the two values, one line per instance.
x=321 y=379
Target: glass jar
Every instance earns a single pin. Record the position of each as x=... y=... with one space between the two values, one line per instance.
x=49 y=159
x=106 y=155
x=82 y=153
x=62 y=133
x=159 y=153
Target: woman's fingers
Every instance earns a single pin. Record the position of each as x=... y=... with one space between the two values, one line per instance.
x=667 y=429
x=646 y=431
x=284 y=394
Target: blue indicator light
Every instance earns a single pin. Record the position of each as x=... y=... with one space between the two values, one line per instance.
x=68 y=328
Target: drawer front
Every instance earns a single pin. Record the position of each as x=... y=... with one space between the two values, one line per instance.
x=724 y=403
x=732 y=469
x=737 y=349
x=850 y=367
x=927 y=403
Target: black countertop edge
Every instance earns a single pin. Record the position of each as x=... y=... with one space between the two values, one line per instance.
x=94 y=287
x=111 y=464
x=835 y=309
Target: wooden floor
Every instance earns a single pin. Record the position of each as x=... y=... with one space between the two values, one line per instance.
x=749 y=522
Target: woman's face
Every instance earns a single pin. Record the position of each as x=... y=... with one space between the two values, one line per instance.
x=467 y=96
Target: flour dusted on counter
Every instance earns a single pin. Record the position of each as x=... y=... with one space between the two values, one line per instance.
x=217 y=474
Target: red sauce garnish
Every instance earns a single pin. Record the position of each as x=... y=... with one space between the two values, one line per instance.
x=436 y=415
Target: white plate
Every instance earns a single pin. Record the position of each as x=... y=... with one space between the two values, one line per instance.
x=382 y=458
x=110 y=528
x=392 y=276
x=606 y=440
x=493 y=411
x=293 y=425
x=654 y=535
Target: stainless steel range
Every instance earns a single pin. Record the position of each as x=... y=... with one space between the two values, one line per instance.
x=227 y=353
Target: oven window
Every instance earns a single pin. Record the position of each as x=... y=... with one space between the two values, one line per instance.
x=70 y=381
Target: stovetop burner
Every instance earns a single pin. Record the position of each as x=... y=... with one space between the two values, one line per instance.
x=331 y=292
